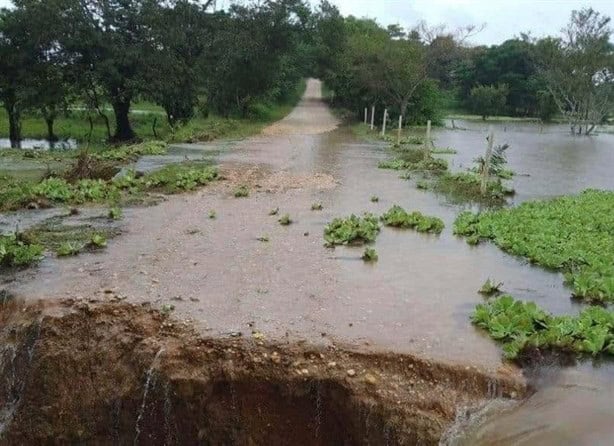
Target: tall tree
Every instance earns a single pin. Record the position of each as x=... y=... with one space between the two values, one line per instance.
x=579 y=70
x=17 y=57
x=106 y=42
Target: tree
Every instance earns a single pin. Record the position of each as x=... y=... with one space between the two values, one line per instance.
x=579 y=70
x=17 y=56
x=106 y=42
x=488 y=100
x=251 y=50
x=181 y=35
x=405 y=69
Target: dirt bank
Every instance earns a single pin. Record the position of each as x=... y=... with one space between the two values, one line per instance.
x=102 y=373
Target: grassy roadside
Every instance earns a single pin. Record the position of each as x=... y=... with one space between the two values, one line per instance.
x=75 y=124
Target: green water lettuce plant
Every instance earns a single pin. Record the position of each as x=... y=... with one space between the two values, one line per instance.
x=523 y=326
x=490 y=288
x=351 y=230
x=573 y=234
x=97 y=241
x=68 y=249
x=285 y=220
x=15 y=251
x=241 y=192
x=396 y=216
x=369 y=255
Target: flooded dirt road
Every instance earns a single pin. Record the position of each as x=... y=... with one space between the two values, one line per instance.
x=225 y=282
x=217 y=274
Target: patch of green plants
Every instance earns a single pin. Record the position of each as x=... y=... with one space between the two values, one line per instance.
x=132 y=152
x=212 y=214
x=422 y=184
x=241 y=192
x=115 y=213
x=490 y=287
x=351 y=230
x=176 y=178
x=394 y=164
x=285 y=220
x=53 y=234
x=370 y=255
x=316 y=206
x=405 y=175
x=16 y=250
x=422 y=164
x=397 y=217
x=465 y=186
x=523 y=326
x=374 y=199
x=573 y=234
x=97 y=241
x=68 y=249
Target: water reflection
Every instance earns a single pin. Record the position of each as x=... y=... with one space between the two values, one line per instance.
x=41 y=144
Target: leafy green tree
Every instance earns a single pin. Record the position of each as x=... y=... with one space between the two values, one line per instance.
x=579 y=70
x=251 y=52
x=17 y=56
x=181 y=35
x=488 y=100
x=107 y=43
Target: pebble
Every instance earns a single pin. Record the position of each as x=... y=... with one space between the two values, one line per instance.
x=351 y=372
x=332 y=364
x=370 y=379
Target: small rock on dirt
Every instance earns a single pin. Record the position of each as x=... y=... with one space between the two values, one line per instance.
x=351 y=372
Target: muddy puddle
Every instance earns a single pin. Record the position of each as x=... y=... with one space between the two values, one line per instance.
x=416 y=300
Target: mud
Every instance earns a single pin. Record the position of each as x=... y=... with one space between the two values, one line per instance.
x=117 y=373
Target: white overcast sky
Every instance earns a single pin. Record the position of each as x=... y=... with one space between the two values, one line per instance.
x=504 y=18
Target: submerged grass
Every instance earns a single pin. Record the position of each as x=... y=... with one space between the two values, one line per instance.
x=53 y=191
x=573 y=234
x=465 y=187
x=523 y=327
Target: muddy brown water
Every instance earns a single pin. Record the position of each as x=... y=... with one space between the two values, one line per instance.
x=415 y=300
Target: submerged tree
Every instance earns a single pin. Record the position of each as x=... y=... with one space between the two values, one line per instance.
x=579 y=70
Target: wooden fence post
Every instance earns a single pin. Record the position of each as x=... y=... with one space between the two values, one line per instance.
x=365 y=115
x=399 y=130
x=427 y=142
x=384 y=122
x=372 y=116
x=487 y=158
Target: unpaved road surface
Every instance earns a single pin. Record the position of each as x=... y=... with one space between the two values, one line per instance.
x=223 y=280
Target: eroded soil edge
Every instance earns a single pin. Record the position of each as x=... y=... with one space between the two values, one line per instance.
x=103 y=373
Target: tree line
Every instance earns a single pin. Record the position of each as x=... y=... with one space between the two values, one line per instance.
x=181 y=55
x=187 y=57
x=418 y=72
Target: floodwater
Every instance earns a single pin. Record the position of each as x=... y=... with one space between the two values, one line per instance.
x=417 y=298
x=41 y=144
x=573 y=406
